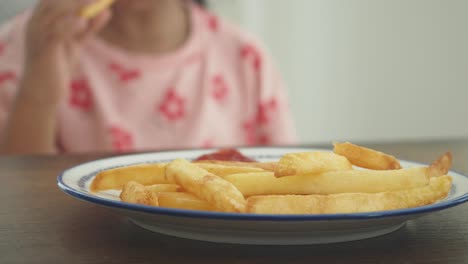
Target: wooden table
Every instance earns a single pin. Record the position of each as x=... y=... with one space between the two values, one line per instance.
x=40 y=224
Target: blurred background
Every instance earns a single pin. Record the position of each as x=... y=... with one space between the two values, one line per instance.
x=361 y=70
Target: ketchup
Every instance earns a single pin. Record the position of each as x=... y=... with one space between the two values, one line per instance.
x=226 y=155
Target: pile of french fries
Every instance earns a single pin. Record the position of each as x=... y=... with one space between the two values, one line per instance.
x=351 y=179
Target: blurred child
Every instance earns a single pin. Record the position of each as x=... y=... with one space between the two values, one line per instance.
x=143 y=75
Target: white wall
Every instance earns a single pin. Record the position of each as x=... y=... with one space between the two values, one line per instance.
x=9 y=8
x=368 y=69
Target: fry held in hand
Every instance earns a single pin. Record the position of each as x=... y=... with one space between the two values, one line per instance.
x=366 y=158
x=96 y=8
x=218 y=192
x=311 y=163
x=437 y=189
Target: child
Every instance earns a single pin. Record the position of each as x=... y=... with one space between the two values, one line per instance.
x=143 y=75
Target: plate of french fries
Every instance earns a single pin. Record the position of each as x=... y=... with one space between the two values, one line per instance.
x=285 y=196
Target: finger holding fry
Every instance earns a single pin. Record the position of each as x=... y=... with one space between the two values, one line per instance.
x=94 y=9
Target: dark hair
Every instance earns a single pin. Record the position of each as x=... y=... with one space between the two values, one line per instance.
x=201 y=2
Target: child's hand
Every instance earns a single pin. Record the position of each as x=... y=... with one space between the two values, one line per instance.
x=54 y=34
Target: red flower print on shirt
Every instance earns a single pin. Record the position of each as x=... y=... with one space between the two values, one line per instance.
x=220 y=88
x=213 y=23
x=121 y=139
x=250 y=132
x=264 y=140
x=7 y=76
x=211 y=20
x=125 y=75
x=250 y=52
x=265 y=111
x=2 y=48
x=81 y=96
x=173 y=106
x=254 y=136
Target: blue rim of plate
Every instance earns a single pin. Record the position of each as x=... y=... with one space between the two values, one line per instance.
x=445 y=204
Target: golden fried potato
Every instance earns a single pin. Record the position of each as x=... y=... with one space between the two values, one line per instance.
x=186 y=201
x=96 y=8
x=268 y=166
x=365 y=181
x=311 y=163
x=437 y=189
x=220 y=193
x=136 y=193
x=316 y=183
x=366 y=158
x=160 y=188
x=115 y=179
x=441 y=166
x=150 y=174
x=224 y=170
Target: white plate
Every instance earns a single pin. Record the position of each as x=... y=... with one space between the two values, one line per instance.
x=248 y=228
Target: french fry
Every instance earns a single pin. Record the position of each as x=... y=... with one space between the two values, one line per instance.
x=224 y=170
x=220 y=193
x=441 y=166
x=115 y=179
x=160 y=188
x=365 y=181
x=96 y=8
x=437 y=189
x=136 y=193
x=366 y=158
x=186 y=201
x=316 y=183
x=311 y=163
x=268 y=166
x=150 y=174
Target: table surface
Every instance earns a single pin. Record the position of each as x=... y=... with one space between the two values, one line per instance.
x=40 y=224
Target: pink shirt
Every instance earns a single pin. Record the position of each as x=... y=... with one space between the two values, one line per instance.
x=220 y=89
